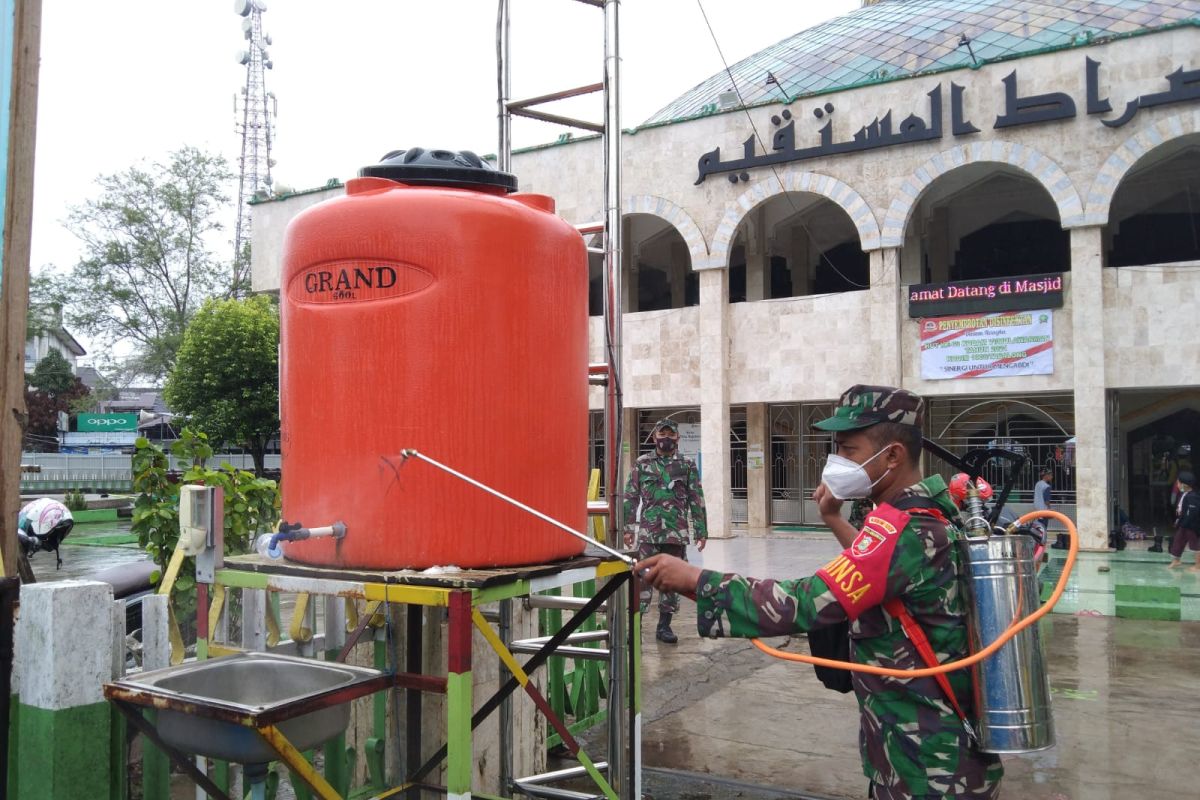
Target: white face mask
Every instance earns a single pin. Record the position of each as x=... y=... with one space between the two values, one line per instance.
x=848 y=480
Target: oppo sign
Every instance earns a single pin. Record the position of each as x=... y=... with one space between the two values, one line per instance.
x=107 y=422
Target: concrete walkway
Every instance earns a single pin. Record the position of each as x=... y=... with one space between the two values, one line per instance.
x=1125 y=692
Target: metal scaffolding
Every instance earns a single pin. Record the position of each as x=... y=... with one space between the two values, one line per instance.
x=462 y=595
x=624 y=757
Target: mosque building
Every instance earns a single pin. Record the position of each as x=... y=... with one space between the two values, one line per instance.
x=992 y=203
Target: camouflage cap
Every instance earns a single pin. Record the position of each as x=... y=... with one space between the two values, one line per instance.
x=668 y=424
x=863 y=406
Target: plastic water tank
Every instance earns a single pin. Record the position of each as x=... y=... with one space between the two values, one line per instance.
x=431 y=308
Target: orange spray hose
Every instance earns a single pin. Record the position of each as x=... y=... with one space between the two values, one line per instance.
x=951 y=666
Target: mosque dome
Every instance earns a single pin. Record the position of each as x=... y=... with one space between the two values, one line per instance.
x=895 y=39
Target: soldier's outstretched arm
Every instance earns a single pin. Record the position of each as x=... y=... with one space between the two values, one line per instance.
x=887 y=560
x=734 y=605
x=750 y=606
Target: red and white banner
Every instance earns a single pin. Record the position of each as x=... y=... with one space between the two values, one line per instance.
x=987 y=345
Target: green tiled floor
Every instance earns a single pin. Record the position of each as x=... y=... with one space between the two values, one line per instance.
x=1133 y=584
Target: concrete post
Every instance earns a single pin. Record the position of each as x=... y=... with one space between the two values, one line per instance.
x=758 y=267
x=629 y=255
x=1091 y=428
x=758 y=484
x=156 y=654
x=941 y=248
x=714 y=399
x=64 y=642
x=678 y=268
x=888 y=311
x=801 y=263
x=338 y=764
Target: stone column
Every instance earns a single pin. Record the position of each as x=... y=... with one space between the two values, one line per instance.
x=758 y=260
x=1091 y=424
x=629 y=257
x=677 y=272
x=887 y=312
x=63 y=725
x=941 y=248
x=758 y=483
x=714 y=399
x=801 y=263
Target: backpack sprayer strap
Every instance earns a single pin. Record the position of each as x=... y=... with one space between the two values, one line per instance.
x=913 y=630
x=916 y=635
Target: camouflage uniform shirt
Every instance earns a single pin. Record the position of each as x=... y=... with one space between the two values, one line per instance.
x=661 y=493
x=911 y=740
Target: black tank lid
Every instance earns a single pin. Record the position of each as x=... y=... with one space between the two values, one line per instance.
x=422 y=167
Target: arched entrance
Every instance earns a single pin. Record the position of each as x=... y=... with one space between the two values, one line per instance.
x=984 y=220
x=657 y=268
x=793 y=245
x=1155 y=213
x=1160 y=431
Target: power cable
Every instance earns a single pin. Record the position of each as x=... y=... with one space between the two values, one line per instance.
x=763 y=146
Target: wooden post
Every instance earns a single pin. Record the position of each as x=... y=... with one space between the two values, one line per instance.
x=20 y=27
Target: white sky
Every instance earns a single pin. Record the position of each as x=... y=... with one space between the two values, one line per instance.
x=122 y=82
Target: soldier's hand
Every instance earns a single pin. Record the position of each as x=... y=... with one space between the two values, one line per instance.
x=628 y=538
x=669 y=574
x=701 y=544
x=827 y=504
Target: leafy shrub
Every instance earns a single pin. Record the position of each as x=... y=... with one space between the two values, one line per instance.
x=74 y=500
x=251 y=508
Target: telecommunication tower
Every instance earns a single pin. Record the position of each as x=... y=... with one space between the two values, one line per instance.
x=254 y=112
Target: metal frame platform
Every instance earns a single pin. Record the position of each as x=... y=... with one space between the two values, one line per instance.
x=462 y=594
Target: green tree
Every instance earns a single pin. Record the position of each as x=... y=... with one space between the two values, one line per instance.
x=45 y=305
x=147 y=266
x=53 y=374
x=226 y=378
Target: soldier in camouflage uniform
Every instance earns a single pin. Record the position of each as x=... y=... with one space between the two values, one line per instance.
x=912 y=742
x=662 y=492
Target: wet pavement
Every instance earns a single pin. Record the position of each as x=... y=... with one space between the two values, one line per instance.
x=1134 y=583
x=722 y=720
x=1125 y=698
x=90 y=548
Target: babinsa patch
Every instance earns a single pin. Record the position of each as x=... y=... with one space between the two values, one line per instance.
x=858 y=577
x=868 y=542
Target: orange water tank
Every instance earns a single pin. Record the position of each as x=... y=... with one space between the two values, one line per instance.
x=431 y=308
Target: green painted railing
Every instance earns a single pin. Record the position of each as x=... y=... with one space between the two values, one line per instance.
x=575 y=688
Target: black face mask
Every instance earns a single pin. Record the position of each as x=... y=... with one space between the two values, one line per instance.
x=666 y=446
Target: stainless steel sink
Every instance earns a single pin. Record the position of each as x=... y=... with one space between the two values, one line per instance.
x=211 y=708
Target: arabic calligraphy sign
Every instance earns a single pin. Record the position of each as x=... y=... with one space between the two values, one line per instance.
x=1183 y=86
x=998 y=294
x=988 y=345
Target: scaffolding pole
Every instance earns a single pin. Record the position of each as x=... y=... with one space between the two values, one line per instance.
x=622 y=612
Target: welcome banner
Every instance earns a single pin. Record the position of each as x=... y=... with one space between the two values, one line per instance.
x=987 y=345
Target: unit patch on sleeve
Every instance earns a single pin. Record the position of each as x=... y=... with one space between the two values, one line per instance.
x=858 y=576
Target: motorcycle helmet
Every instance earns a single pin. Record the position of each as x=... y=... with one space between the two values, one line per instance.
x=958 y=489
x=45 y=523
